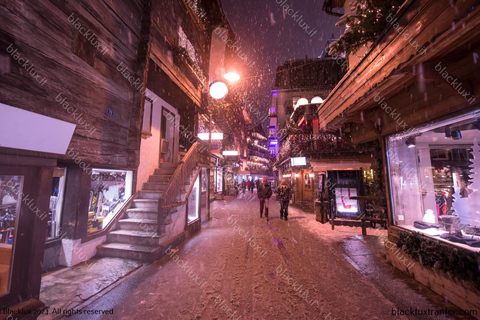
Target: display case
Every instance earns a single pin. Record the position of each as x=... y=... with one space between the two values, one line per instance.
x=435 y=179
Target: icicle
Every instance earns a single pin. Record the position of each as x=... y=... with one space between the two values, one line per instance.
x=475 y=57
x=361 y=116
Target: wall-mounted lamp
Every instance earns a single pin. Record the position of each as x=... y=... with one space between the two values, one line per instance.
x=448 y=132
x=456 y=135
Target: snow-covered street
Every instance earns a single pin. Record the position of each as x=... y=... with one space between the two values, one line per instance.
x=242 y=267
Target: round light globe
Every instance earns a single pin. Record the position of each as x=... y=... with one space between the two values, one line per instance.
x=317 y=100
x=218 y=90
x=301 y=102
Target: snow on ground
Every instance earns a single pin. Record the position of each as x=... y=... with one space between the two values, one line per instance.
x=296 y=269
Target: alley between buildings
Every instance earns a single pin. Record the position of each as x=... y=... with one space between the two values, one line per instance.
x=242 y=267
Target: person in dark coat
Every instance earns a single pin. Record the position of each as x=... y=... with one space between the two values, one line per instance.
x=264 y=193
x=284 y=193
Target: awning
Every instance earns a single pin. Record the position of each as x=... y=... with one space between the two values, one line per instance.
x=22 y=129
x=343 y=165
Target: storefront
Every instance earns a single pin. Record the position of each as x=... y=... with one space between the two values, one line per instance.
x=429 y=135
x=434 y=174
x=25 y=186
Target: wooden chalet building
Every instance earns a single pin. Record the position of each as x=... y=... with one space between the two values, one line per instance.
x=415 y=92
x=99 y=105
x=319 y=166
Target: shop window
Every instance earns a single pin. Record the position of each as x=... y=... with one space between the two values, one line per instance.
x=218 y=180
x=56 y=203
x=109 y=190
x=435 y=179
x=194 y=201
x=308 y=181
x=11 y=188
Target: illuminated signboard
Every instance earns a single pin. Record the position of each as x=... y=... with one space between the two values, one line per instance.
x=299 y=161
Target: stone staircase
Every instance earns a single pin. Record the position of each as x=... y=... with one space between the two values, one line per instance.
x=135 y=236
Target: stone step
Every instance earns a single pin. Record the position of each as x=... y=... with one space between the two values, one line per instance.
x=149 y=194
x=141 y=214
x=129 y=251
x=160 y=178
x=164 y=171
x=155 y=185
x=134 y=237
x=144 y=225
x=150 y=204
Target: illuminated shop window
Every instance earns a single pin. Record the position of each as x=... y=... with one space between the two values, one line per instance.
x=435 y=178
x=11 y=193
x=109 y=190
x=194 y=201
x=56 y=203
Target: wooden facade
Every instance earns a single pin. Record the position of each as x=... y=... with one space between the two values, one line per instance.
x=76 y=48
x=95 y=61
x=398 y=87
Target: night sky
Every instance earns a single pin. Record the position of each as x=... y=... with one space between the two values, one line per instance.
x=269 y=37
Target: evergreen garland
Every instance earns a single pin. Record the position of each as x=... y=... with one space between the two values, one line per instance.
x=459 y=263
x=367 y=20
x=195 y=67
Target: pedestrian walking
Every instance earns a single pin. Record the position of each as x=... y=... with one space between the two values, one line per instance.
x=284 y=193
x=264 y=193
x=252 y=185
x=243 y=185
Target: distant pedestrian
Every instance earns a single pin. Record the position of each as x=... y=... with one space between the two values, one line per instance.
x=257 y=182
x=252 y=185
x=243 y=185
x=264 y=193
x=284 y=194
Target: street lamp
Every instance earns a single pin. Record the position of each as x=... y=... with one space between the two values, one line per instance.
x=218 y=90
x=232 y=76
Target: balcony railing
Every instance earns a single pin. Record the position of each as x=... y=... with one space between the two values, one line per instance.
x=260 y=154
x=309 y=144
